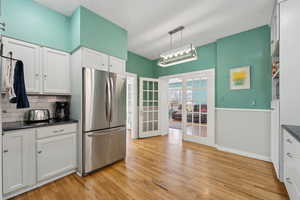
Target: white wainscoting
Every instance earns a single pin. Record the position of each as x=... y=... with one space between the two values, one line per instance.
x=244 y=131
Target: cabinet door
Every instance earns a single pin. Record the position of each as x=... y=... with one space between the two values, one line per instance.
x=56 y=155
x=275 y=136
x=19 y=165
x=30 y=56
x=94 y=59
x=56 y=71
x=117 y=65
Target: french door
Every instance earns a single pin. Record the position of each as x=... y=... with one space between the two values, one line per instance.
x=148 y=107
x=194 y=108
x=198 y=112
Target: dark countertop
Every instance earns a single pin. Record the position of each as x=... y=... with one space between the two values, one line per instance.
x=12 y=126
x=293 y=130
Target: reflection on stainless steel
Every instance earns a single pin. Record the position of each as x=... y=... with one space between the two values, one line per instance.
x=104 y=147
x=36 y=115
x=118 y=109
x=95 y=98
x=104 y=118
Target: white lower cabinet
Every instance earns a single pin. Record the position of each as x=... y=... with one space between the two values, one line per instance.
x=56 y=155
x=19 y=161
x=31 y=159
x=291 y=166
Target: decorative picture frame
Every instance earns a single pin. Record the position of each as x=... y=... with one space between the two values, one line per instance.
x=240 y=78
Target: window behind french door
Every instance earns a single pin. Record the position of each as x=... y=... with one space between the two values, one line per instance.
x=149 y=108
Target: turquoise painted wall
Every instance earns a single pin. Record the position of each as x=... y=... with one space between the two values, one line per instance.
x=75 y=29
x=206 y=60
x=141 y=66
x=250 y=48
x=247 y=48
x=100 y=34
x=31 y=22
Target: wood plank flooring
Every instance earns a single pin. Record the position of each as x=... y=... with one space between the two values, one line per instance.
x=166 y=168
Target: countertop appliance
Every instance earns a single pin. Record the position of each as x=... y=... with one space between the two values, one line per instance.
x=104 y=119
x=62 y=111
x=37 y=115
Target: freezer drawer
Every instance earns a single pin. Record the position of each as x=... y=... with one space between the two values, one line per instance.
x=103 y=148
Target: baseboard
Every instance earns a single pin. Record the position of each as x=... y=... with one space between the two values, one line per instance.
x=244 y=109
x=243 y=153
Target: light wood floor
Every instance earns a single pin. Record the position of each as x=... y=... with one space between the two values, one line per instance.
x=164 y=168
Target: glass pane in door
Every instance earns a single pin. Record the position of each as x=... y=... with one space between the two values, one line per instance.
x=196 y=107
x=175 y=104
x=149 y=111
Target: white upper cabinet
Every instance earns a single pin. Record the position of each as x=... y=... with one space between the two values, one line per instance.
x=94 y=59
x=46 y=71
x=56 y=72
x=101 y=61
x=117 y=65
x=19 y=167
x=30 y=56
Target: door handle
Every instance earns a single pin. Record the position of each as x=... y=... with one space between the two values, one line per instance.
x=108 y=100
x=111 y=97
x=107 y=132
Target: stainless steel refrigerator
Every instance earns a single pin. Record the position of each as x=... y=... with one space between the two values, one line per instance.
x=104 y=119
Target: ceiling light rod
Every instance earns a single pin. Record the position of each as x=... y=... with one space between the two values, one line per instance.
x=180 y=28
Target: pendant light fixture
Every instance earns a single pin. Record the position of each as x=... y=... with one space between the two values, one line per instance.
x=179 y=55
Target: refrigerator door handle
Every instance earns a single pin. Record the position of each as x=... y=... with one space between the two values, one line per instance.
x=108 y=100
x=111 y=97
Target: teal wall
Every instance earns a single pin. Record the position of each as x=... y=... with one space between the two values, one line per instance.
x=100 y=34
x=206 y=60
x=75 y=29
x=28 y=21
x=250 y=48
x=141 y=66
x=31 y=22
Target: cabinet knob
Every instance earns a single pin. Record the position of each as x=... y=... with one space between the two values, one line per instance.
x=39 y=152
x=289 y=141
x=288 y=180
x=5 y=151
x=289 y=155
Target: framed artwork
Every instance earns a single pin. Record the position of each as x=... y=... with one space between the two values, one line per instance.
x=240 y=78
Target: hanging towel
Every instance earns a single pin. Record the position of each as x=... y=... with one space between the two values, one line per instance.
x=9 y=79
x=19 y=86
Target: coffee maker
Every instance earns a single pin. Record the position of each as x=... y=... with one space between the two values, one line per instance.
x=62 y=111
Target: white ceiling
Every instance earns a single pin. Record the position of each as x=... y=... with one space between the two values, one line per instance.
x=148 y=21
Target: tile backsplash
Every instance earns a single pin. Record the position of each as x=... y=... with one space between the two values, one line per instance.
x=11 y=114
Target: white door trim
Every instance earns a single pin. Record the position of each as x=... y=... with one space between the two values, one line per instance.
x=134 y=132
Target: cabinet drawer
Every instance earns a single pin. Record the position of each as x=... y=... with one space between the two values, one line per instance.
x=56 y=130
x=292 y=177
x=291 y=145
